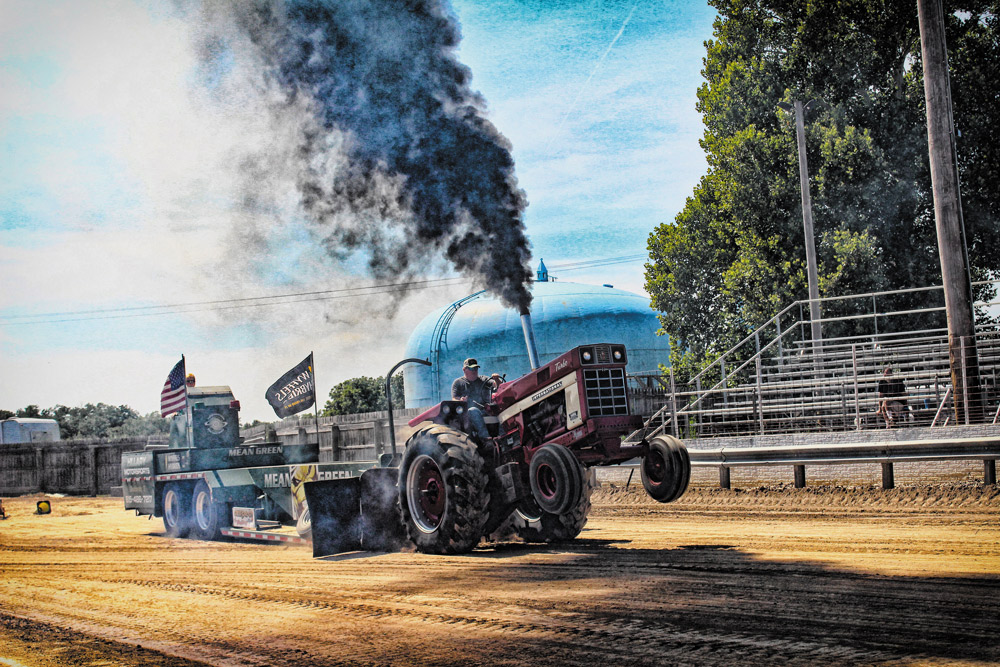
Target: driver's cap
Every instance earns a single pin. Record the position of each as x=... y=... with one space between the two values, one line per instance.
x=470 y=363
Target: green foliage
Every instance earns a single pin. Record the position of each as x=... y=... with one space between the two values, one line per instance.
x=734 y=256
x=686 y=365
x=363 y=394
x=33 y=412
x=91 y=421
x=96 y=421
x=141 y=426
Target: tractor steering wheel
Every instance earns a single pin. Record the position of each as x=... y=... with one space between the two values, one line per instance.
x=495 y=381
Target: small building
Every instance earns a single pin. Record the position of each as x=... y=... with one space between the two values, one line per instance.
x=564 y=315
x=28 y=429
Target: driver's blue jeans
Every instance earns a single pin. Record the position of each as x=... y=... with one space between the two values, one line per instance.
x=477 y=423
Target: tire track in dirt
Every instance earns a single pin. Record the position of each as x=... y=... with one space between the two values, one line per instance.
x=758 y=594
x=591 y=630
x=753 y=585
x=580 y=626
x=22 y=641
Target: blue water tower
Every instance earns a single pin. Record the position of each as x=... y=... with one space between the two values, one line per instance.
x=564 y=315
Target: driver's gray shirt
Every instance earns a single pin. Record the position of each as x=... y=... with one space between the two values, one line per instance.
x=476 y=393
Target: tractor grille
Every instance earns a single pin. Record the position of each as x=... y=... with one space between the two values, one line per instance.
x=602 y=354
x=605 y=389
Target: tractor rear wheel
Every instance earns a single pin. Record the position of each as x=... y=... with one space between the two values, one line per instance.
x=176 y=510
x=443 y=496
x=532 y=524
x=207 y=514
x=556 y=478
x=666 y=469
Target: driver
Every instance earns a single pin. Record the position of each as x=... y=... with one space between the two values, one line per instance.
x=476 y=392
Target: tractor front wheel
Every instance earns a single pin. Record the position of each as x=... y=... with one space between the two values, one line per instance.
x=556 y=478
x=666 y=469
x=176 y=510
x=443 y=496
x=532 y=524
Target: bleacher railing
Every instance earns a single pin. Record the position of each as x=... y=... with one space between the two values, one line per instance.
x=777 y=380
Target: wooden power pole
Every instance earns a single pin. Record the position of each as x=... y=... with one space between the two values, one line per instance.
x=948 y=214
x=807 y=228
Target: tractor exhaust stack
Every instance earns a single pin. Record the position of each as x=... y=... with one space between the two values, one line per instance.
x=529 y=338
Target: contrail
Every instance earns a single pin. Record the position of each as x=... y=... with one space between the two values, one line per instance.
x=583 y=88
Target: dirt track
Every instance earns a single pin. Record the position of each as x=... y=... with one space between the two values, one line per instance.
x=831 y=576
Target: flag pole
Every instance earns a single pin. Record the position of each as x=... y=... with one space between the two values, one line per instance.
x=188 y=428
x=312 y=363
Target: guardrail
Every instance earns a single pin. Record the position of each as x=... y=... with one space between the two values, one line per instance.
x=886 y=453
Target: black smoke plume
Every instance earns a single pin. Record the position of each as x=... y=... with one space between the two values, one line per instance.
x=384 y=76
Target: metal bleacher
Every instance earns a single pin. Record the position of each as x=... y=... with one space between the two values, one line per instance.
x=777 y=380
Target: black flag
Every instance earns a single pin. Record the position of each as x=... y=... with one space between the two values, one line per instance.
x=294 y=391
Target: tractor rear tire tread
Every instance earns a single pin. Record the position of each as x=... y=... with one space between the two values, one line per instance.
x=465 y=477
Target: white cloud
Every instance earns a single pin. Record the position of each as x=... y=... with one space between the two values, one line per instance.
x=76 y=375
x=163 y=222
x=143 y=170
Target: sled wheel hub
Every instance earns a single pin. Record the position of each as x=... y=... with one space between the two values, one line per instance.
x=172 y=509
x=202 y=509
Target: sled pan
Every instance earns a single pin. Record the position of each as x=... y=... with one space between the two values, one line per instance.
x=360 y=513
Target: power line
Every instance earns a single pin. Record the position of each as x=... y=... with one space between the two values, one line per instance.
x=124 y=312
x=230 y=304
x=579 y=266
x=392 y=286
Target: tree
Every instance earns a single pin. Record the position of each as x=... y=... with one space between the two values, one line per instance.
x=734 y=256
x=96 y=421
x=140 y=426
x=90 y=420
x=33 y=412
x=362 y=394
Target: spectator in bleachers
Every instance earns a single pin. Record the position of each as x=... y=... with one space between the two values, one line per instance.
x=892 y=398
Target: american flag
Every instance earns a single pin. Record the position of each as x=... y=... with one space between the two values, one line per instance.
x=174 y=394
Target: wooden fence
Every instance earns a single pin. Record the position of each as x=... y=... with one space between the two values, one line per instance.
x=93 y=467
x=83 y=467
x=360 y=437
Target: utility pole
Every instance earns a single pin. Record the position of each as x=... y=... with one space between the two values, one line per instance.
x=807 y=227
x=816 y=327
x=964 y=361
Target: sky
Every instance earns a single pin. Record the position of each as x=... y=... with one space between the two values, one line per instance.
x=120 y=171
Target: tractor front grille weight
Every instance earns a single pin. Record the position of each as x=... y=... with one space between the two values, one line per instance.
x=606 y=394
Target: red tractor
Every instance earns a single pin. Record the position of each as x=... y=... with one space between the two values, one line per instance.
x=530 y=476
